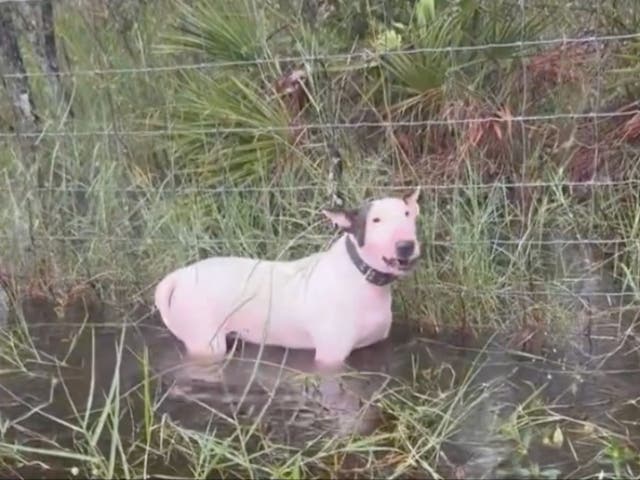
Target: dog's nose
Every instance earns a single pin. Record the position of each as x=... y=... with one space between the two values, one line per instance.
x=405 y=248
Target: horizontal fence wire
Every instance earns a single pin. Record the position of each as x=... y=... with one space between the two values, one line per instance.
x=88 y=190
x=635 y=242
x=550 y=289
x=559 y=288
x=9 y=2
x=366 y=55
x=325 y=126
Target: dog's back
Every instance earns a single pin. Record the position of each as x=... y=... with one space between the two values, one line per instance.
x=234 y=291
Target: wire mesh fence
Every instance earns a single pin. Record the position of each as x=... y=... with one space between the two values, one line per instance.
x=520 y=129
x=137 y=136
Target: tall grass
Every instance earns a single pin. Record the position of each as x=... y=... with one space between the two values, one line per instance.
x=116 y=427
x=107 y=411
x=154 y=183
x=124 y=208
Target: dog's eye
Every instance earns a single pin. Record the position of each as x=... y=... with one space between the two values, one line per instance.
x=406 y=214
x=376 y=220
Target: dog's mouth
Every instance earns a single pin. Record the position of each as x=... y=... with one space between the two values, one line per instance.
x=401 y=264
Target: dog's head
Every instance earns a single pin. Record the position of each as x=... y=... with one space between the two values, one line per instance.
x=384 y=232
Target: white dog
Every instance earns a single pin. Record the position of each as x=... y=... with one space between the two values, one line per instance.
x=333 y=301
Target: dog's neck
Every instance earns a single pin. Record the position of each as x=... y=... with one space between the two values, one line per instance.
x=371 y=275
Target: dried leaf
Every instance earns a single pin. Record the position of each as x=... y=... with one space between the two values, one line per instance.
x=406 y=143
x=292 y=87
x=497 y=131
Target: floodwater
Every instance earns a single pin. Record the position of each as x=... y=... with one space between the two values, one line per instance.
x=586 y=384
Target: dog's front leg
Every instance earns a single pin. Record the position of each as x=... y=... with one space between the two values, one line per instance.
x=324 y=366
x=330 y=356
x=333 y=335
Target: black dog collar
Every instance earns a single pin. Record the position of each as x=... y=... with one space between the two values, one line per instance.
x=372 y=275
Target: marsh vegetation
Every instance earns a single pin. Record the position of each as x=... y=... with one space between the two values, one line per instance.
x=146 y=135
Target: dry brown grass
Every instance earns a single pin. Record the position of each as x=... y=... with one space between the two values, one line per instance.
x=501 y=148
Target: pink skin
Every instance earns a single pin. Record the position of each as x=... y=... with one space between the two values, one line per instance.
x=320 y=302
x=389 y=221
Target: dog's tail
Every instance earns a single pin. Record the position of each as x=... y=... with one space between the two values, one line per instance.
x=162 y=296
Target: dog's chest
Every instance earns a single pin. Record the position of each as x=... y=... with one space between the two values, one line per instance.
x=373 y=323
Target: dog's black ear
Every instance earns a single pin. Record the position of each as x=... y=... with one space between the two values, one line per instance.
x=343 y=219
x=353 y=221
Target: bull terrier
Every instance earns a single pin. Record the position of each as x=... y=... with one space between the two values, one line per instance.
x=333 y=302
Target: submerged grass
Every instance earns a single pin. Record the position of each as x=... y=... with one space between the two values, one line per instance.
x=141 y=179
x=116 y=425
x=98 y=407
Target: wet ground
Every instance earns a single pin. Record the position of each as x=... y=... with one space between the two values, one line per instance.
x=568 y=408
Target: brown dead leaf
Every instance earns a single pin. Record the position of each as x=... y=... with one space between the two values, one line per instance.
x=497 y=131
x=631 y=129
x=429 y=326
x=406 y=142
x=5 y=279
x=292 y=88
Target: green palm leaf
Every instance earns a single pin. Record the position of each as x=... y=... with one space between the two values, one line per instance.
x=222 y=30
x=209 y=105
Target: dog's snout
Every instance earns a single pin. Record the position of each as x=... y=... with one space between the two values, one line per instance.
x=405 y=248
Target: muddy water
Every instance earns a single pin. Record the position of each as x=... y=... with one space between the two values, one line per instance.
x=584 y=383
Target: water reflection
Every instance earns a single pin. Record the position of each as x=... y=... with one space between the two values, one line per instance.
x=581 y=383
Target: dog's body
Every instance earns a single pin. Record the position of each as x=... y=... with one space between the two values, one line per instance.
x=324 y=301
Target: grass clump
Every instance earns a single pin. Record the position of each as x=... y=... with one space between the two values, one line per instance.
x=206 y=128
x=236 y=107
x=113 y=417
